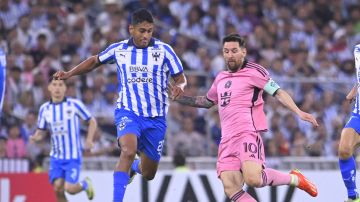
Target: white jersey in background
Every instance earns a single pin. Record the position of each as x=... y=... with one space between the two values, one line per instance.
x=62 y=120
x=143 y=75
x=357 y=66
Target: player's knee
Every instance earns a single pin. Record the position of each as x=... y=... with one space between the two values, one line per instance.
x=58 y=188
x=253 y=181
x=345 y=152
x=128 y=153
x=148 y=175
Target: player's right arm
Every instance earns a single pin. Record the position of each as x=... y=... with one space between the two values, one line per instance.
x=38 y=135
x=86 y=66
x=197 y=101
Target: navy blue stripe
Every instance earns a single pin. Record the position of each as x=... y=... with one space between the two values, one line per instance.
x=145 y=56
x=70 y=135
x=78 y=143
x=86 y=117
x=63 y=146
x=138 y=100
x=147 y=96
x=357 y=104
x=61 y=112
x=163 y=93
x=54 y=112
x=129 y=103
x=176 y=59
x=40 y=118
x=133 y=56
x=57 y=147
x=157 y=101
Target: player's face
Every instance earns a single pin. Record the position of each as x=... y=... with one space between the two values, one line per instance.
x=57 y=89
x=141 y=33
x=234 y=55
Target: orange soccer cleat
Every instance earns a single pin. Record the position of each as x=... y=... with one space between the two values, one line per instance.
x=305 y=184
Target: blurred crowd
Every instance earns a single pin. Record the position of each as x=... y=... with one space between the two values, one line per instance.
x=306 y=46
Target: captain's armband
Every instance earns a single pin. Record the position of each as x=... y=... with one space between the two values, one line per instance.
x=271 y=87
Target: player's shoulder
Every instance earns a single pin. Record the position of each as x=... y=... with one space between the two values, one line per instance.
x=256 y=68
x=74 y=101
x=44 y=105
x=160 y=44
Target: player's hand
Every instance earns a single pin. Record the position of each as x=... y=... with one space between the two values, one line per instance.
x=175 y=91
x=61 y=75
x=309 y=118
x=89 y=144
x=33 y=139
x=351 y=96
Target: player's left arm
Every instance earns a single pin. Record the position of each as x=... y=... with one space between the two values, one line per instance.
x=288 y=102
x=351 y=95
x=178 y=87
x=91 y=132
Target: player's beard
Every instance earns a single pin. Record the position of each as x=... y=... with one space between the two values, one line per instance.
x=233 y=66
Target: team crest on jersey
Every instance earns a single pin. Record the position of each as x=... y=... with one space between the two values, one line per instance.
x=123 y=122
x=228 y=84
x=68 y=111
x=156 y=55
x=225 y=98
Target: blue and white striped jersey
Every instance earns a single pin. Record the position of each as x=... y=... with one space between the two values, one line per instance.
x=143 y=75
x=62 y=119
x=357 y=66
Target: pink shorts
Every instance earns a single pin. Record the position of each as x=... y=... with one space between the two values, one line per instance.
x=242 y=147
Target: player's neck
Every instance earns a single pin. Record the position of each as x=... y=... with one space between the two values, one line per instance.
x=57 y=100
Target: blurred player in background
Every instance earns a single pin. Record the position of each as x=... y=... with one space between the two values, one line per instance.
x=61 y=116
x=238 y=94
x=2 y=78
x=143 y=64
x=350 y=138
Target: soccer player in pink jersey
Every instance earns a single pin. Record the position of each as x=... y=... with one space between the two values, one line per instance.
x=238 y=94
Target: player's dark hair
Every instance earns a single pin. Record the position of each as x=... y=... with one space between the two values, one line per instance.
x=141 y=15
x=235 y=38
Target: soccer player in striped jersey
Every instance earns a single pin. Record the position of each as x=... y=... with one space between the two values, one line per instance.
x=238 y=94
x=143 y=65
x=2 y=77
x=60 y=116
x=350 y=138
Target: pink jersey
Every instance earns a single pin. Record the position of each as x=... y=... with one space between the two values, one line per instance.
x=239 y=99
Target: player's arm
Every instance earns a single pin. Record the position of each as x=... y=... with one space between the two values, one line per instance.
x=178 y=87
x=197 y=101
x=351 y=95
x=91 y=132
x=38 y=135
x=288 y=102
x=86 y=66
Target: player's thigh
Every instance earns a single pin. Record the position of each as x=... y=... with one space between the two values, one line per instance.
x=128 y=130
x=350 y=134
x=72 y=171
x=252 y=173
x=232 y=181
x=58 y=184
x=55 y=171
x=151 y=141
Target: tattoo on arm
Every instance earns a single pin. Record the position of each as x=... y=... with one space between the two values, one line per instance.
x=198 y=101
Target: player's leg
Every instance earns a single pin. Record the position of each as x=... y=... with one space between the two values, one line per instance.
x=151 y=144
x=228 y=170
x=127 y=125
x=233 y=183
x=56 y=178
x=255 y=175
x=72 y=184
x=348 y=141
x=59 y=190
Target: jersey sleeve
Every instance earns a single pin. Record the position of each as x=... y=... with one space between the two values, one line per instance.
x=81 y=110
x=108 y=55
x=172 y=61
x=41 y=124
x=357 y=62
x=259 y=77
x=212 y=93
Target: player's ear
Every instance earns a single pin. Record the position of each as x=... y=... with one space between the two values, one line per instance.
x=131 y=29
